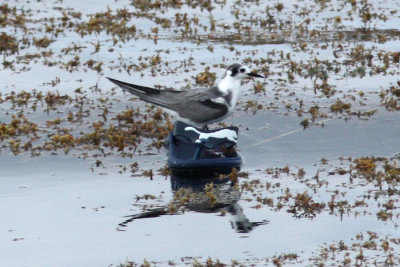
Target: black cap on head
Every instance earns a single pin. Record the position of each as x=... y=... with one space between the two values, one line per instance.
x=238 y=68
x=235 y=69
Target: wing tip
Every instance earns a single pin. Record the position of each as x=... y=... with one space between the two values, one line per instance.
x=116 y=82
x=111 y=79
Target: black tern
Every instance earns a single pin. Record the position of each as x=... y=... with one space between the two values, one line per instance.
x=198 y=106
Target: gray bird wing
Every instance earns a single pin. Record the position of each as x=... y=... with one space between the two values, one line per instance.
x=197 y=105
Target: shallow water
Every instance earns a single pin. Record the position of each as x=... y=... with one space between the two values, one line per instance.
x=67 y=209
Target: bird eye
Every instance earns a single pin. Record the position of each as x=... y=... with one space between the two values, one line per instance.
x=242 y=70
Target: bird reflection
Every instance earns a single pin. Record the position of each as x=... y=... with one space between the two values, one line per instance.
x=205 y=195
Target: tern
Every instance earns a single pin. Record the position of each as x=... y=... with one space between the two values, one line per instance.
x=198 y=106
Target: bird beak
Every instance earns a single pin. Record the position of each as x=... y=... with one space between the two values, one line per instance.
x=253 y=74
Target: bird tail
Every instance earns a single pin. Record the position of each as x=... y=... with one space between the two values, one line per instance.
x=135 y=89
x=163 y=98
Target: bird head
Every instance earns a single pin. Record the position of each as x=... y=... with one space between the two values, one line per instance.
x=238 y=71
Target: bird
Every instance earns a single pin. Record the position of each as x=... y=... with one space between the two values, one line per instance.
x=197 y=106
